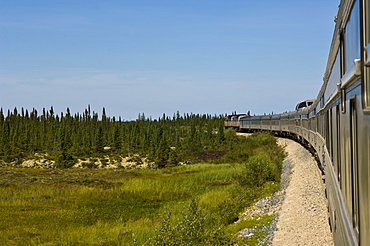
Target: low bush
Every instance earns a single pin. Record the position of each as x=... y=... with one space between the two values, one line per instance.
x=265 y=161
x=193 y=228
x=64 y=160
x=258 y=170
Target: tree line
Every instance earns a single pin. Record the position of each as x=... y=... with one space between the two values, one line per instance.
x=166 y=141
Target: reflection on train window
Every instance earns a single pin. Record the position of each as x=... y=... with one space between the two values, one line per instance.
x=322 y=101
x=351 y=38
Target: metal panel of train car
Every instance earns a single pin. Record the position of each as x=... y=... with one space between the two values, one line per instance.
x=244 y=122
x=275 y=123
x=266 y=122
x=255 y=123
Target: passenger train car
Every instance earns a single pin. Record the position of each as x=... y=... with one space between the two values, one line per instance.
x=336 y=125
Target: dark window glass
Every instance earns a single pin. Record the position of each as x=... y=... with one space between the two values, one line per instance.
x=352 y=37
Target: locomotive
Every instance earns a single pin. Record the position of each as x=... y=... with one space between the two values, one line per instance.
x=336 y=125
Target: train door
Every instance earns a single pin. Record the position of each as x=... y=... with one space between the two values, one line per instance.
x=354 y=166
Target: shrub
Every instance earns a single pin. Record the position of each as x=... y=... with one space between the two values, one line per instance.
x=64 y=160
x=259 y=169
x=194 y=228
x=264 y=161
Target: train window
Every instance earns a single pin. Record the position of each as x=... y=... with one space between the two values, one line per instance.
x=322 y=102
x=334 y=78
x=354 y=165
x=302 y=105
x=342 y=60
x=351 y=37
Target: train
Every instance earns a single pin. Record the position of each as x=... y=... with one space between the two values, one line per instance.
x=336 y=125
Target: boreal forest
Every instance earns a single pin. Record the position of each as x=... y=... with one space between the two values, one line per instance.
x=64 y=138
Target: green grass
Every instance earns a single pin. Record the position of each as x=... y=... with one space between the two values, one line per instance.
x=257 y=223
x=112 y=207
x=183 y=205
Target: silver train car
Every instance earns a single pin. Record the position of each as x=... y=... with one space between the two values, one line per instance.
x=336 y=126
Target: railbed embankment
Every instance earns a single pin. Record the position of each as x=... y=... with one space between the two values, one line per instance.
x=303 y=218
x=301 y=206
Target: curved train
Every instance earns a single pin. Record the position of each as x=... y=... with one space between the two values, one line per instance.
x=336 y=126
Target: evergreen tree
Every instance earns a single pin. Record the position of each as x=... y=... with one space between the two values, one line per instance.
x=99 y=144
x=65 y=137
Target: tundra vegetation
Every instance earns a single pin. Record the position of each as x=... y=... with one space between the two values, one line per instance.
x=169 y=203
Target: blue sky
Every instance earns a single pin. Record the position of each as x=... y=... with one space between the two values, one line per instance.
x=163 y=56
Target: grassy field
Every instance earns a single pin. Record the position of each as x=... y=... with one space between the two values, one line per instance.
x=118 y=207
x=184 y=205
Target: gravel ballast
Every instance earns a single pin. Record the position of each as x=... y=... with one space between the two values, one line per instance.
x=300 y=205
x=303 y=218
